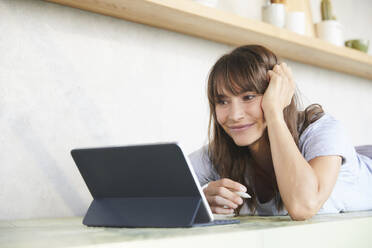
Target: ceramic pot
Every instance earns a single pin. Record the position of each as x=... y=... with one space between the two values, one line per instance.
x=331 y=31
x=274 y=14
x=295 y=21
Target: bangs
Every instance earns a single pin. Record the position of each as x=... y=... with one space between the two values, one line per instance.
x=235 y=75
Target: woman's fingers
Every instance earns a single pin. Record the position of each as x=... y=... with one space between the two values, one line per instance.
x=221 y=210
x=271 y=74
x=282 y=70
x=220 y=201
x=223 y=196
x=230 y=184
x=280 y=90
x=287 y=70
x=277 y=69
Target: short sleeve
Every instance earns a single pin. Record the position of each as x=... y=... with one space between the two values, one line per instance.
x=202 y=166
x=325 y=137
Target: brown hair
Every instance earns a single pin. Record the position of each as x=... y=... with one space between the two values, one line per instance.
x=245 y=69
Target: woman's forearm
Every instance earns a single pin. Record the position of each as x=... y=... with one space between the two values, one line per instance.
x=297 y=182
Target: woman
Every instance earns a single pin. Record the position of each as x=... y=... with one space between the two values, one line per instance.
x=291 y=162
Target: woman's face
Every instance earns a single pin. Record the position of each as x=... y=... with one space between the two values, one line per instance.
x=241 y=116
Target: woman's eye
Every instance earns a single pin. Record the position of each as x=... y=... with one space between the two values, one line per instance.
x=221 y=102
x=248 y=97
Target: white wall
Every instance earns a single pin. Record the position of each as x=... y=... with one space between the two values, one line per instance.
x=71 y=78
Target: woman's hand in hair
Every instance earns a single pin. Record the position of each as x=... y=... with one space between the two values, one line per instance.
x=221 y=197
x=280 y=91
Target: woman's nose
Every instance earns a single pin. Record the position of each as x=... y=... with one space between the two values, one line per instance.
x=236 y=111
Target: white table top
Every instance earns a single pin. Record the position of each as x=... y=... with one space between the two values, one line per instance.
x=340 y=230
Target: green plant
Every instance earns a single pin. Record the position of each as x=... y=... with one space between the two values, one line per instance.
x=326 y=10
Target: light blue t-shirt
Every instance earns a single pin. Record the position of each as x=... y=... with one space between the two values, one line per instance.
x=325 y=137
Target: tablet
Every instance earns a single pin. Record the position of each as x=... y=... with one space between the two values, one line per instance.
x=148 y=185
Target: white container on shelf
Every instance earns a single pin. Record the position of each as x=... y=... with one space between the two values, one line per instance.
x=243 y=8
x=295 y=21
x=331 y=31
x=209 y=3
x=274 y=14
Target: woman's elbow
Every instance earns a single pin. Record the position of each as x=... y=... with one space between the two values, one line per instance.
x=303 y=212
x=300 y=216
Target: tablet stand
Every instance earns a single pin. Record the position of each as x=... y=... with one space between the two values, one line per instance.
x=143 y=211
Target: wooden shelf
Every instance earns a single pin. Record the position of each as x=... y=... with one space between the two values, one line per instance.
x=191 y=18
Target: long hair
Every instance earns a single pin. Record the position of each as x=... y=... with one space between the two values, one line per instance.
x=245 y=69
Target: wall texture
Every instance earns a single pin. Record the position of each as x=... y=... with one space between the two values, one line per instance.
x=71 y=78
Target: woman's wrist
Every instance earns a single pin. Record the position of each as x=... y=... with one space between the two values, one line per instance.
x=273 y=115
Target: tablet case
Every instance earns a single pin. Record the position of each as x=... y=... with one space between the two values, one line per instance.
x=143 y=212
x=140 y=186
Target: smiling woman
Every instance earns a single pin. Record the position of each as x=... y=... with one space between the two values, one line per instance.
x=290 y=161
x=230 y=115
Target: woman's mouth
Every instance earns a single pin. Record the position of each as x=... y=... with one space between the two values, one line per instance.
x=239 y=128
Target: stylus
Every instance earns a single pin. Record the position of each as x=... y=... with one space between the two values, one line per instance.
x=242 y=194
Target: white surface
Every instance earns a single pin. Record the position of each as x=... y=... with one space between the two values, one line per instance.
x=295 y=21
x=71 y=78
x=250 y=9
x=260 y=232
x=209 y=3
